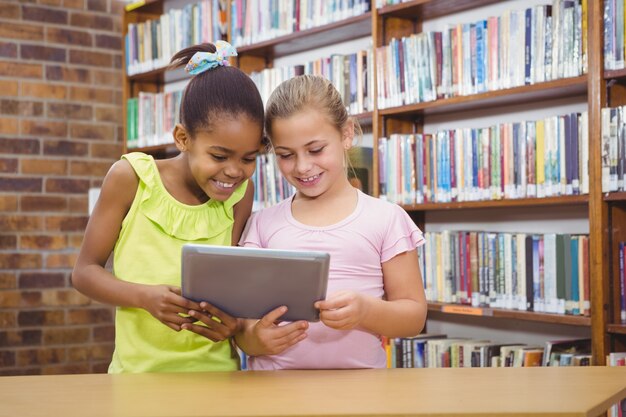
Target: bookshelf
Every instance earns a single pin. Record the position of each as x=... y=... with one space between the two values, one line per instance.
x=606 y=213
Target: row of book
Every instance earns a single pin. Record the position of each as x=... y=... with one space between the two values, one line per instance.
x=270 y=186
x=472 y=58
x=622 y=280
x=254 y=21
x=151 y=44
x=151 y=118
x=546 y=273
x=614 y=28
x=351 y=74
x=439 y=351
x=613 y=149
x=540 y=158
x=617 y=359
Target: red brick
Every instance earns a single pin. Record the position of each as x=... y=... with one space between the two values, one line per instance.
x=76 y=240
x=7 y=358
x=21 y=31
x=20 y=184
x=8 y=281
x=69 y=111
x=19 y=69
x=43 y=166
x=20 y=261
x=70 y=37
x=104 y=333
x=38 y=318
x=8 y=126
x=19 y=146
x=42 y=53
x=20 y=223
x=106 y=150
x=64 y=148
x=45 y=15
x=8 y=88
x=100 y=368
x=44 y=128
x=117 y=8
x=65 y=336
x=91 y=20
x=109 y=114
x=20 y=371
x=51 y=2
x=43 y=242
x=8 y=242
x=109 y=42
x=42 y=280
x=69 y=297
x=78 y=205
x=117 y=61
x=71 y=75
x=13 y=299
x=10 y=11
x=75 y=368
x=22 y=108
x=8 y=165
x=43 y=203
x=66 y=223
x=90 y=94
x=90 y=352
x=91 y=131
x=97 y=5
x=8 y=203
x=8 y=319
x=74 y=4
x=66 y=185
x=97 y=59
x=43 y=90
x=110 y=77
x=61 y=260
x=90 y=316
x=40 y=356
x=20 y=338
x=93 y=168
x=8 y=50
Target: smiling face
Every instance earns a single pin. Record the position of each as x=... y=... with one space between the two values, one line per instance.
x=310 y=152
x=224 y=157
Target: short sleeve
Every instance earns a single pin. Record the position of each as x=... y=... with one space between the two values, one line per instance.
x=402 y=234
x=251 y=236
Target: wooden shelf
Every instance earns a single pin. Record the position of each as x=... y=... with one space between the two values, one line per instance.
x=429 y=9
x=344 y=30
x=615 y=74
x=566 y=87
x=509 y=314
x=617 y=328
x=616 y=196
x=521 y=202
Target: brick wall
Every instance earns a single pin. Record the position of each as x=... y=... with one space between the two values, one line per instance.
x=60 y=130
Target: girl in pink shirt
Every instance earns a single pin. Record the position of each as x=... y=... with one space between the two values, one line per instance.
x=375 y=287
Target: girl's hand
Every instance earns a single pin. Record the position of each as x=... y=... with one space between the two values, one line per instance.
x=271 y=339
x=214 y=330
x=166 y=304
x=344 y=310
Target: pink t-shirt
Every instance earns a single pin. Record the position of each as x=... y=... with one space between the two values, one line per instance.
x=374 y=233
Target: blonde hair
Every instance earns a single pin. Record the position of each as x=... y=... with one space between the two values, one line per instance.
x=305 y=92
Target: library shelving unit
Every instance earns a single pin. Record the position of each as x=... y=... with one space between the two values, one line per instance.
x=606 y=213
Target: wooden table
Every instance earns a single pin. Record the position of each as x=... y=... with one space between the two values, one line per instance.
x=586 y=391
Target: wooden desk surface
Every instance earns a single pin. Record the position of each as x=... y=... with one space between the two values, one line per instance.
x=586 y=391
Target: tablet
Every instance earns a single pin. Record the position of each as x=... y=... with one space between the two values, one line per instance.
x=251 y=282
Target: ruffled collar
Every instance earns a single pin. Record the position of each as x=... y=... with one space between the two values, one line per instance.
x=179 y=220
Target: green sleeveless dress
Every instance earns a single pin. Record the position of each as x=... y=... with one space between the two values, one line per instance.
x=148 y=251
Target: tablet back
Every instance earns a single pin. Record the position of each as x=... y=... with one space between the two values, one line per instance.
x=250 y=282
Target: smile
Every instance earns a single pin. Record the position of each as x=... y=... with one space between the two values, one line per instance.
x=310 y=179
x=225 y=185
